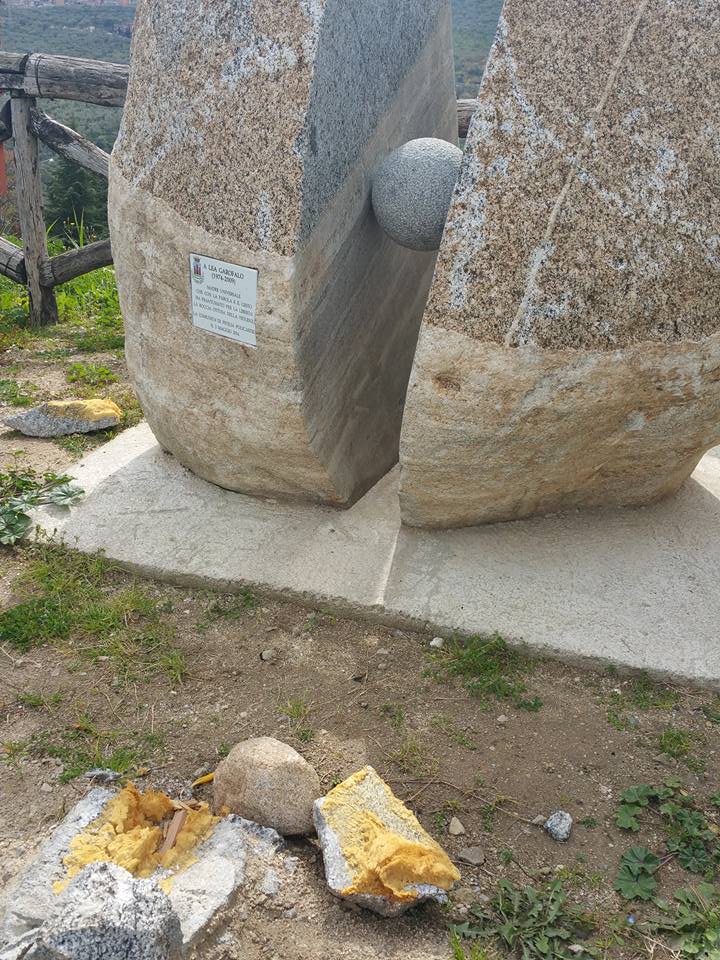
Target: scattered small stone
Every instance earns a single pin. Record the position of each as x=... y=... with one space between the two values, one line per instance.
x=46 y=788
x=545 y=871
x=267 y=655
x=633 y=721
x=455 y=827
x=383 y=652
x=472 y=855
x=58 y=418
x=559 y=825
x=502 y=719
x=359 y=677
x=376 y=853
x=267 y=781
x=539 y=820
x=437 y=643
x=364 y=704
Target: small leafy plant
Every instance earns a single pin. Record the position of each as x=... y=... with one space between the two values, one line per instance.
x=636 y=879
x=534 y=924
x=21 y=491
x=90 y=374
x=692 y=838
x=692 y=926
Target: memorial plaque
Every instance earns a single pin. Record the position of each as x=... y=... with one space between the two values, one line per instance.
x=224 y=298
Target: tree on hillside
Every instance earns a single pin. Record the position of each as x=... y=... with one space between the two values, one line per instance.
x=74 y=196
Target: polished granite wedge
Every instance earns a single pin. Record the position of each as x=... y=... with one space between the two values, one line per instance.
x=271 y=324
x=569 y=355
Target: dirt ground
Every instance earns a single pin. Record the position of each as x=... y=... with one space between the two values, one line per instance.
x=347 y=693
x=366 y=697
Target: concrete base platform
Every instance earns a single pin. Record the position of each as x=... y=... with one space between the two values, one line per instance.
x=637 y=588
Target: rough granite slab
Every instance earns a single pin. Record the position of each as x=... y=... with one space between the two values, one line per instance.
x=32 y=897
x=250 y=134
x=569 y=355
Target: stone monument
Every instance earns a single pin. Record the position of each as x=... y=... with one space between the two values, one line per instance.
x=271 y=323
x=569 y=355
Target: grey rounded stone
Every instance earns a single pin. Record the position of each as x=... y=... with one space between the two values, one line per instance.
x=559 y=825
x=268 y=782
x=412 y=189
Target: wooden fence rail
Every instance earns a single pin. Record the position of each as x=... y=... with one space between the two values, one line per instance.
x=35 y=75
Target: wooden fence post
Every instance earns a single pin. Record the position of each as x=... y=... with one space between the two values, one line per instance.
x=28 y=186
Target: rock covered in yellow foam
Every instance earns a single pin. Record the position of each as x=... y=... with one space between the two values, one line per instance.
x=376 y=852
x=130 y=833
x=90 y=410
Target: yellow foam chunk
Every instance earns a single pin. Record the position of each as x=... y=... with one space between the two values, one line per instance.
x=383 y=843
x=129 y=833
x=90 y=410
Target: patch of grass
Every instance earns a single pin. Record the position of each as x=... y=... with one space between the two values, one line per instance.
x=411 y=760
x=95 y=375
x=17 y=395
x=679 y=745
x=589 y=822
x=452 y=730
x=394 y=713
x=36 y=701
x=639 y=694
x=232 y=608
x=76 y=602
x=297 y=711
x=84 y=745
x=317 y=617
x=489 y=668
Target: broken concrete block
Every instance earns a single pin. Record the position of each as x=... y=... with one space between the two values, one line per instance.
x=201 y=875
x=211 y=883
x=58 y=418
x=270 y=322
x=268 y=782
x=105 y=912
x=570 y=349
x=376 y=853
x=32 y=898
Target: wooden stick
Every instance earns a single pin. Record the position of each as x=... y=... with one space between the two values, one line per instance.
x=67 y=266
x=28 y=187
x=176 y=825
x=69 y=144
x=12 y=261
x=72 y=78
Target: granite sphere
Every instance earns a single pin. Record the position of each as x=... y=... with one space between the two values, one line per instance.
x=412 y=189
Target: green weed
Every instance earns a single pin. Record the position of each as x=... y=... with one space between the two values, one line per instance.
x=75 y=598
x=490 y=669
x=95 y=375
x=394 y=713
x=16 y=395
x=535 y=924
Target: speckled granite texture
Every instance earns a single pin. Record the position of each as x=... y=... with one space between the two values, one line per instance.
x=588 y=208
x=570 y=350
x=250 y=134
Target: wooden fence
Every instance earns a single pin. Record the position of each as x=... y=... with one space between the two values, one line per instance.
x=26 y=78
